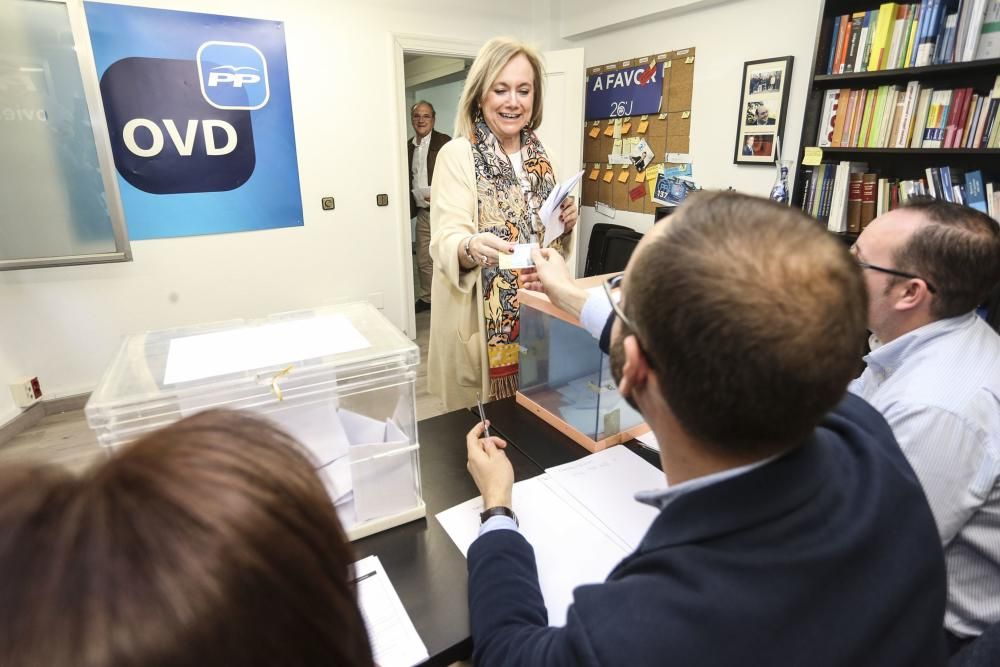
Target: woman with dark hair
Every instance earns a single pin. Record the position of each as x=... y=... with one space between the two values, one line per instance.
x=208 y=542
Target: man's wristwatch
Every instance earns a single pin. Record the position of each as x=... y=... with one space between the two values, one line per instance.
x=499 y=510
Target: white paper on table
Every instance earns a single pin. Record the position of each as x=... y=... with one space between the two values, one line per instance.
x=571 y=547
x=606 y=483
x=223 y=352
x=520 y=259
x=394 y=640
x=554 y=227
x=382 y=471
x=649 y=441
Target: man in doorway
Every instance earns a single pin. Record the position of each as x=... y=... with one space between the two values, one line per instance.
x=934 y=374
x=792 y=530
x=422 y=154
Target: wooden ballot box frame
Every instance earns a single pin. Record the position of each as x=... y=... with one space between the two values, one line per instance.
x=540 y=301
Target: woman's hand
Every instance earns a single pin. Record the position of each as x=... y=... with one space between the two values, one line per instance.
x=486 y=248
x=568 y=213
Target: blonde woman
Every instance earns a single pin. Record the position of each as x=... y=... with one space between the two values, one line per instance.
x=489 y=184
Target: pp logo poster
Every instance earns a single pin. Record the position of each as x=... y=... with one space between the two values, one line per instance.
x=200 y=119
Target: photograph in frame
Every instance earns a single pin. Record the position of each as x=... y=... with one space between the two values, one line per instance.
x=761 y=119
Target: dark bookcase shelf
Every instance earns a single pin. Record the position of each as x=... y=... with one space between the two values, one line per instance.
x=892 y=163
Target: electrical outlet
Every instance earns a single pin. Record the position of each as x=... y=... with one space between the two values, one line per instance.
x=327 y=203
x=382 y=200
x=26 y=391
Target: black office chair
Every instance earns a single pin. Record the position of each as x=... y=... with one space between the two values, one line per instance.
x=595 y=249
x=619 y=244
x=983 y=651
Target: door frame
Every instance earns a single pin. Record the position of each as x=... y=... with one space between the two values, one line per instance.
x=399 y=44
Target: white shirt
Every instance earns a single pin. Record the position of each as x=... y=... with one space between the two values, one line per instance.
x=939 y=388
x=419 y=167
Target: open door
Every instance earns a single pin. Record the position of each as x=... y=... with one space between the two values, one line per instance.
x=561 y=131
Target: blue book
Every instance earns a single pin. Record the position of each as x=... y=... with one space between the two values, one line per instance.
x=947 y=192
x=975 y=193
x=833 y=45
x=929 y=20
x=920 y=19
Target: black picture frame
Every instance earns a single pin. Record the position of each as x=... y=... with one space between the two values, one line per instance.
x=760 y=121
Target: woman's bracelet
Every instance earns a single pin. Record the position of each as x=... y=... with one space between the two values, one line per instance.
x=468 y=249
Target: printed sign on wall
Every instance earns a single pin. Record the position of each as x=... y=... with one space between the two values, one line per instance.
x=631 y=91
x=200 y=118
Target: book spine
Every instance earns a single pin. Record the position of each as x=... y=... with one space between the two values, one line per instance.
x=854 y=203
x=869 y=185
x=852 y=47
x=989 y=35
x=834 y=43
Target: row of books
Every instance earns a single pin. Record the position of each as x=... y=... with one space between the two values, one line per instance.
x=912 y=117
x=901 y=35
x=846 y=196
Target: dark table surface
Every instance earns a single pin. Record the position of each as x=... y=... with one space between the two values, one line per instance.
x=542 y=444
x=423 y=563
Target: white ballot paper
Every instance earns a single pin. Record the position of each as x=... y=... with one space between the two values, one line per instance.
x=382 y=473
x=581 y=518
x=394 y=640
x=554 y=227
x=521 y=259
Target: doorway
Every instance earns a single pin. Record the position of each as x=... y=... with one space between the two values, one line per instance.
x=433 y=86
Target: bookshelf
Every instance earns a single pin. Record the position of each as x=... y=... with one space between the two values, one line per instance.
x=892 y=163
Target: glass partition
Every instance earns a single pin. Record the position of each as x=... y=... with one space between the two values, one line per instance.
x=60 y=197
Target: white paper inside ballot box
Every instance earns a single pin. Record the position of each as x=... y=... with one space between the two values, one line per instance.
x=382 y=468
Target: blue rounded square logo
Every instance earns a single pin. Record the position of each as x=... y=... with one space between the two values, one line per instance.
x=233 y=75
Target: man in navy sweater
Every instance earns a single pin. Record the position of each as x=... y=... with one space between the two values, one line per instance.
x=793 y=531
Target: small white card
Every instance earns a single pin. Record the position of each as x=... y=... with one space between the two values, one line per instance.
x=521 y=259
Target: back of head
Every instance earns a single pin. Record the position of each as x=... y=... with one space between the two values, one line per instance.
x=957 y=251
x=754 y=317
x=491 y=59
x=209 y=542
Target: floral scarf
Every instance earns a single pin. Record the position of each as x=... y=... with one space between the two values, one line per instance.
x=508 y=208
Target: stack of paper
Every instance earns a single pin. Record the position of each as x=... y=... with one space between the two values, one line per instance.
x=580 y=517
x=394 y=640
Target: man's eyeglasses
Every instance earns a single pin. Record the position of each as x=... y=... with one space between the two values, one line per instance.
x=894 y=272
x=613 y=283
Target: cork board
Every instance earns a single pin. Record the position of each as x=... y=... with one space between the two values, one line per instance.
x=668 y=131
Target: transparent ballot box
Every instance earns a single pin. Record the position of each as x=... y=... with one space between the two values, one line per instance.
x=565 y=379
x=339 y=379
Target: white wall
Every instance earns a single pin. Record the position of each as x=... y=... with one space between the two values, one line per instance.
x=64 y=324
x=718 y=30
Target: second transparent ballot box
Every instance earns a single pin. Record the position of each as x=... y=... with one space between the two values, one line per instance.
x=565 y=379
x=339 y=379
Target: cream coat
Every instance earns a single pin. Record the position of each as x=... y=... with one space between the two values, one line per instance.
x=455 y=367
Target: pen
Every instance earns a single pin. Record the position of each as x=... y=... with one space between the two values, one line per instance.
x=482 y=414
x=364 y=576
